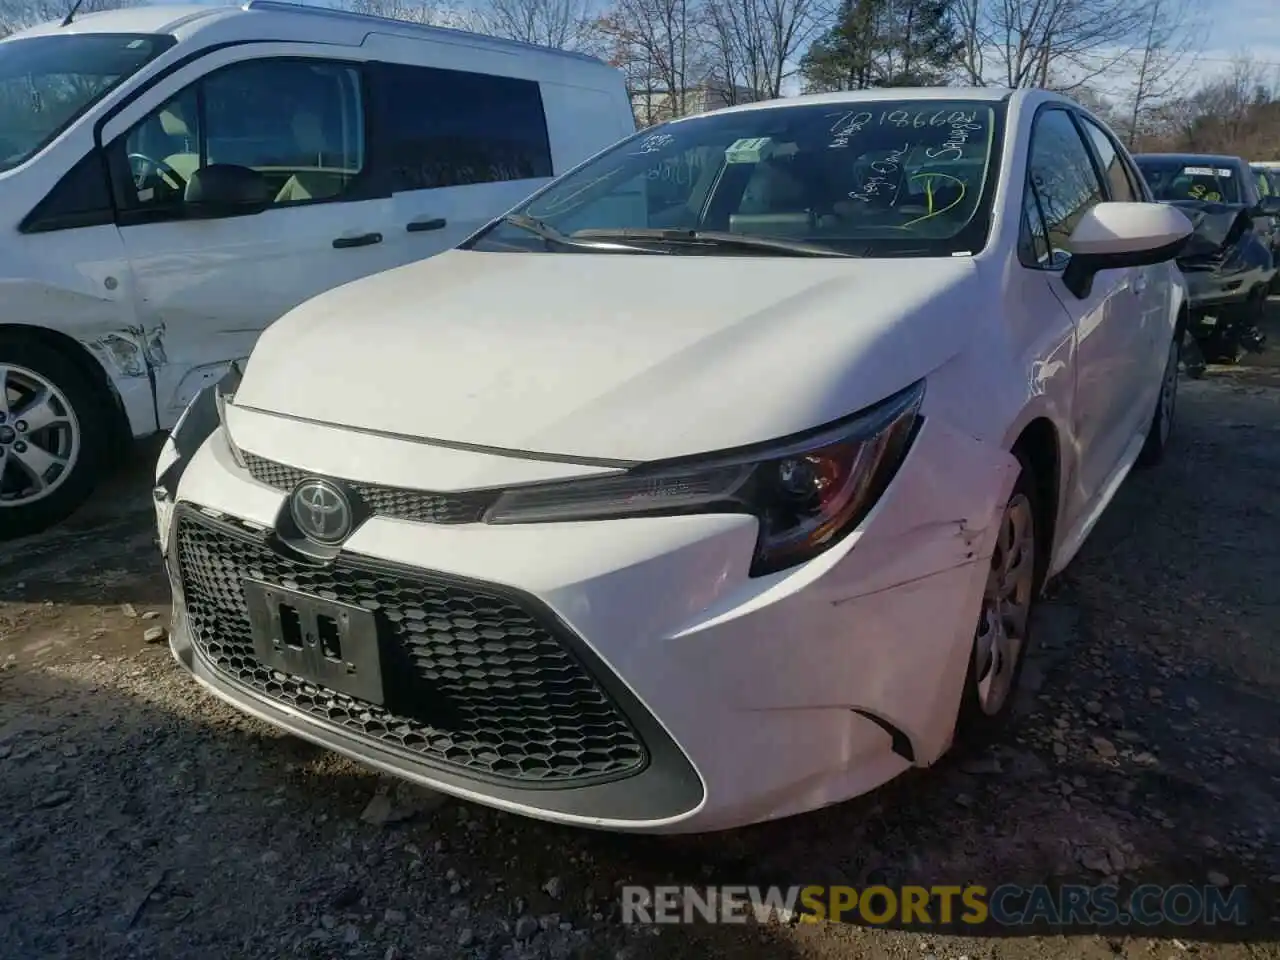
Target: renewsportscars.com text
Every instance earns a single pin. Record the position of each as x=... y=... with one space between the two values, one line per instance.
x=1006 y=905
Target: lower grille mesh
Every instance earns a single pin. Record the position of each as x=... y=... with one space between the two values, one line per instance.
x=474 y=680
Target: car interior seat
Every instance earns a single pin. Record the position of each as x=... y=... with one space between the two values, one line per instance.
x=174 y=124
x=310 y=143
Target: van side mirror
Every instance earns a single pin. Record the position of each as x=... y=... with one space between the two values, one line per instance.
x=226 y=190
x=1111 y=236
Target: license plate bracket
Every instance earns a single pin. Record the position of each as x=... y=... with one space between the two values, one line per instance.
x=326 y=642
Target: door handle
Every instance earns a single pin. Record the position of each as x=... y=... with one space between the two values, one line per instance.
x=423 y=224
x=364 y=240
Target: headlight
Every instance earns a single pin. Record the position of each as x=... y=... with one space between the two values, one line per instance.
x=224 y=392
x=807 y=492
x=204 y=414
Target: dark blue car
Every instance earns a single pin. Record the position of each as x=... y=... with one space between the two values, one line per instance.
x=1230 y=262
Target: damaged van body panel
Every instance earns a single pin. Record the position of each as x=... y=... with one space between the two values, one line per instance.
x=123 y=355
x=89 y=299
x=151 y=390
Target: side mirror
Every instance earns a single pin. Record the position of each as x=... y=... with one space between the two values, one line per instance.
x=226 y=190
x=1269 y=206
x=1111 y=236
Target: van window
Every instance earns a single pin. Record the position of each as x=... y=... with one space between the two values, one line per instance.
x=47 y=82
x=82 y=198
x=306 y=138
x=446 y=128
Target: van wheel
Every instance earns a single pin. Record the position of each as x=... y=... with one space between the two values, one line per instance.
x=53 y=433
x=1003 y=629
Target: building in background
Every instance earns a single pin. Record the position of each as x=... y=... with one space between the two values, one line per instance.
x=657 y=106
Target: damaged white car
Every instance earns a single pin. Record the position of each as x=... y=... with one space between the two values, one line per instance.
x=159 y=210
x=713 y=484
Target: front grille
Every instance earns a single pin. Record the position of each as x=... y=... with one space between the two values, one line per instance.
x=474 y=679
x=421 y=506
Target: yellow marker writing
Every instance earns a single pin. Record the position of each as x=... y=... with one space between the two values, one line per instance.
x=928 y=192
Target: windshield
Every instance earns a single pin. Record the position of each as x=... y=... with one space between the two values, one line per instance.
x=1265 y=186
x=872 y=178
x=47 y=82
x=1172 y=179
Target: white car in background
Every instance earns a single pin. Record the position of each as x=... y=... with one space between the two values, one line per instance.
x=173 y=179
x=714 y=483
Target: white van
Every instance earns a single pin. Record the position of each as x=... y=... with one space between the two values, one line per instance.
x=173 y=179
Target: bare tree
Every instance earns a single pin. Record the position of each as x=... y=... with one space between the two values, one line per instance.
x=432 y=12
x=1163 y=62
x=657 y=45
x=1026 y=43
x=759 y=40
x=564 y=24
x=973 y=29
x=1237 y=113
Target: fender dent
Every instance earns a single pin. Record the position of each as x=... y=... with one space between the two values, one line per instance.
x=130 y=352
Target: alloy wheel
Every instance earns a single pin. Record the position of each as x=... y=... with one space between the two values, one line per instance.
x=1006 y=606
x=39 y=436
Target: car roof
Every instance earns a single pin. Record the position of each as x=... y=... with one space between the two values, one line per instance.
x=1209 y=158
x=1023 y=98
x=272 y=20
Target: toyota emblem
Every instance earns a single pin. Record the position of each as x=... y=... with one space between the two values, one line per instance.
x=321 y=511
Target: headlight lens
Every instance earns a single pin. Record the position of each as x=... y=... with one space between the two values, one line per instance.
x=807 y=493
x=224 y=393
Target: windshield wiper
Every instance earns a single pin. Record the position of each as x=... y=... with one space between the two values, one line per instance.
x=549 y=233
x=714 y=238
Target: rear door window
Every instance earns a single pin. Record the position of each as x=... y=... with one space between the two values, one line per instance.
x=449 y=128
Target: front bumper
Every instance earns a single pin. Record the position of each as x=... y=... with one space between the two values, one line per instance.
x=1207 y=290
x=752 y=698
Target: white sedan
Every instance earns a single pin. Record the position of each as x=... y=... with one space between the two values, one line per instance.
x=714 y=483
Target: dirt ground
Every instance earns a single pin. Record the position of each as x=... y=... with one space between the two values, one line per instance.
x=141 y=818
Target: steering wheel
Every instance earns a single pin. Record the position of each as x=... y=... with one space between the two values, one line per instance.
x=141 y=165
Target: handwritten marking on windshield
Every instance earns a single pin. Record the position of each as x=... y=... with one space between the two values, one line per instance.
x=953 y=147
x=850 y=123
x=884 y=176
x=1198 y=192
x=928 y=190
x=846 y=127
x=655 y=142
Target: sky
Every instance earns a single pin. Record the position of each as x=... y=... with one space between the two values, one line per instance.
x=1237 y=26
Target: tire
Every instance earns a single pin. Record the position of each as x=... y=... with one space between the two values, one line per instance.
x=78 y=434
x=1193 y=363
x=1161 y=427
x=988 y=699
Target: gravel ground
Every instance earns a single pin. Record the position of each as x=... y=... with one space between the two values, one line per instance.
x=141 y=818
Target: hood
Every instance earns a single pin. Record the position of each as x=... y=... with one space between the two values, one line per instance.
x=1217 y=227
x=612 y=356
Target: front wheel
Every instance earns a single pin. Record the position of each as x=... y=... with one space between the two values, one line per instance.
x=1003 y=631
x=1166 y=406
x=52 y=436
